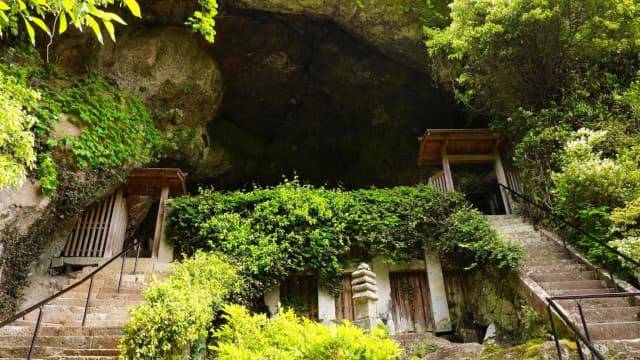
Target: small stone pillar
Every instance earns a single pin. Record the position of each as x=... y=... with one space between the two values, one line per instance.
x=363 y=286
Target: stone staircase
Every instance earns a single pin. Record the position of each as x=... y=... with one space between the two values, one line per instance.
x=61 y=334
x=553 y=273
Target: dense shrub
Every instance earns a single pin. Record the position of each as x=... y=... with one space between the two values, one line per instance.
x=472 y=240
x=274 y=232
x=17 y=156
x=538 y=72
x=286 y=336
x=177 y=315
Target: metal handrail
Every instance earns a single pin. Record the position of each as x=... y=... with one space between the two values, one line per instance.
x=579 y=336
x=573 y=226
x=585 y=338
x=40 y=305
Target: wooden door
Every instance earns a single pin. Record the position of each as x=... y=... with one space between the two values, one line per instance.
x=411 y=303
x=300 y=293
x=345 y=306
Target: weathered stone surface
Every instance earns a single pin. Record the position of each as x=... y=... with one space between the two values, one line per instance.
x=22 y=207
x=392 y=26
x=303 y=94
x=456 y=352
x=172 y=71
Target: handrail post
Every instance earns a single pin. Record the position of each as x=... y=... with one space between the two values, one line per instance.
x=553 y=328
x=86 y=304
x=35 y=333
x=135 y=265
x=584 y=321
x=580 y=354
x=124 y=257
x=613 y=279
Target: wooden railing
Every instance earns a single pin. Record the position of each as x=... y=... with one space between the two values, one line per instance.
x=100 y=230
x=438 y=180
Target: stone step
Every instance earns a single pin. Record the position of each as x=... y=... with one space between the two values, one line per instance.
x=92 y=309
x=597 y=303
x=528 y=240
x=89 y=323
x=59 y=330
x=101 y=284
x=70 y=342
x=44 y=351
x=94 y=302
x=545 y=255
x=610 y=314
x=532 y=263
x=563 y=276
x=562 y=292
x=615 y=330
x=564 y=265
x=68 y=317
x=573 y=284
x=515 y=229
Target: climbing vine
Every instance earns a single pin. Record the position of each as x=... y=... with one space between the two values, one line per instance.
x=291 y=228
x=113 y=127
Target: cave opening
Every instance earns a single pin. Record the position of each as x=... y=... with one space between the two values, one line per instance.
x=304 y=97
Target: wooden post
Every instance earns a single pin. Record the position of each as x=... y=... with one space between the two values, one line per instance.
x=157 y=234
x=502 y=179
x=117 y=226
x=446 y=168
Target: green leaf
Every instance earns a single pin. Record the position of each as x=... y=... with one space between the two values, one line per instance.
x=30 y=31
x=93 y=24
x=68 y=4
x=4 y=6
x=113 y=17
x=63 y=23
x=41 y=25
x=133 y=7
x=109 y=26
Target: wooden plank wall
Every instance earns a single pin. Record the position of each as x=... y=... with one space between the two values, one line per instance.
x=301 y=294
x=345 y=306
x=98 y=229
x=411 y=303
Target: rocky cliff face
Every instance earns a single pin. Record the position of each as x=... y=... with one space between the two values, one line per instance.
x=304 y=94
x=334 y=91
x=393 y=27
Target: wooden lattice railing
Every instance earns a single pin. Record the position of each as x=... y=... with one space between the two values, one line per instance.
x=100 y=230
x=438 y=180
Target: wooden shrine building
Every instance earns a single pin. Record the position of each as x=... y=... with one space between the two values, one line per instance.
x=447 y=147
x=100 y=231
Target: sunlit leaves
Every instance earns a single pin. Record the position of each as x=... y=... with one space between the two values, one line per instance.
x=79 y=13
x=203 y=21
x=17 y=155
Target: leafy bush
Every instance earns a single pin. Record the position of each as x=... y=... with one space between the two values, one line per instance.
x=17 y=155
x=115 y=126
x=274 y=232
x=629 y=247
x=469 y=237
x=504 y=54
x=177 y=315
x=286 y=336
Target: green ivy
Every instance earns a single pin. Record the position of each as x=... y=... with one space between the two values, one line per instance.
x=291 y=228
x=116 y=128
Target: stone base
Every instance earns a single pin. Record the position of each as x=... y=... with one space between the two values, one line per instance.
x=366 y=323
